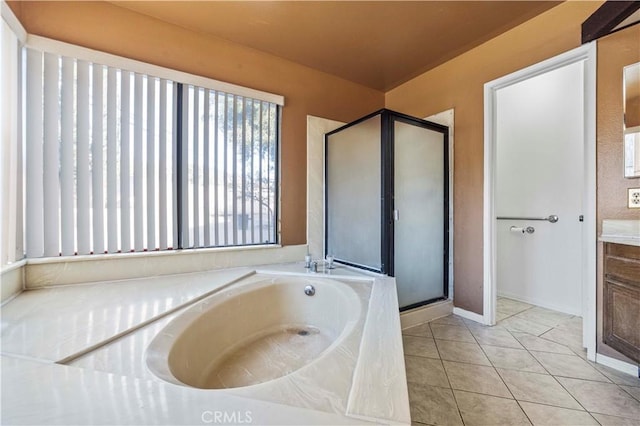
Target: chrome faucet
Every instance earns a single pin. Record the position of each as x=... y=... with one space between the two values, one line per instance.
x=314 y=266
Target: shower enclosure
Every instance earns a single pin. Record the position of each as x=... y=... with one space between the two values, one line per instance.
x=386 y=202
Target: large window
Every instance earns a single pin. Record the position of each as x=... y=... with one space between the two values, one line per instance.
x=120 y=160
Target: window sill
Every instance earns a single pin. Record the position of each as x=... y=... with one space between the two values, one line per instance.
x=145 y=254
x=67 y=270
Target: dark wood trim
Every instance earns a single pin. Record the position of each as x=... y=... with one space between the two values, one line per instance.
x=604 y=20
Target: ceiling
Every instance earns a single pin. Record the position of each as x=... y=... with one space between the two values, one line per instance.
x=378 y=44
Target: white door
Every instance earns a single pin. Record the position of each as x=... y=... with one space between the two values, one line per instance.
x=540 y=172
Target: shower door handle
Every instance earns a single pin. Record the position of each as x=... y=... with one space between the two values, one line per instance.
x=396 y=215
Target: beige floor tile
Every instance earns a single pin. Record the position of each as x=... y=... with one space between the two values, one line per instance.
x=433 y=405
x=514 y=323
x=422 y=330
x=617 y=377
x=427 y=371
x=535 y=343
x=452 y=332
x=449 y=319
x=573 y=324
x=581 y=352
x=606 y=420
x=474 y=325
x=461 y=352
x=510 y=306
x=568 y=338
x=568 y=366
x=475 y=378
x=479 y=409
x=539 y=388
x=495 y=337
x=603 y=398
x=420 y=346
x=501 y=315
x=633 y=391
x=545 y=415
x=543 y=316
x=515 y=359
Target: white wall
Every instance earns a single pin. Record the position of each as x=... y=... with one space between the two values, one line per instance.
x=540 y=171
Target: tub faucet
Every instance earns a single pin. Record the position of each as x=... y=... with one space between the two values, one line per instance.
x=314 y=266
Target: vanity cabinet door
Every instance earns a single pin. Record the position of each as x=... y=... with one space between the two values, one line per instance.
x=622 y=299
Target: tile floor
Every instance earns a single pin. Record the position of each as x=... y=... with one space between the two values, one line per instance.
x=528 y=369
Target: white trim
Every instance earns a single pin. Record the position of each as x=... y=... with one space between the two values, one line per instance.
x=447 y=118
x=469 y=315
x=586 y=53
x=65 y=49
x=590 y=240
x=13 y=22
x=616 y=364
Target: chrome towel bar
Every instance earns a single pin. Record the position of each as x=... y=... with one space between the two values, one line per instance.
x=551 y=218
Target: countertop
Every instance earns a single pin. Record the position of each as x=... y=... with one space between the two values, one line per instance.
x=621 y=232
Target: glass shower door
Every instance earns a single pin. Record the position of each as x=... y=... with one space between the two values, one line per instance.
x=353 y=195
x=419 y=221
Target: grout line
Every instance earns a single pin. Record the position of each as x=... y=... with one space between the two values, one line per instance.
x=549 y=373
x=498 y=374
x=524 y=412
x=464 y=324
x=448 y=380
x=554 y=378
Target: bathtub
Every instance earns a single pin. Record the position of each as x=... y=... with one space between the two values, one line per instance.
x=164 y=368
x=259 y=330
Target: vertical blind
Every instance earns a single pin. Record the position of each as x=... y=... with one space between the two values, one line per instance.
x=11 y=248
x=120 y=161
x=229 y=169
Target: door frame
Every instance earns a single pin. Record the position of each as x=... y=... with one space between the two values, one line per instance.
x=586 y=53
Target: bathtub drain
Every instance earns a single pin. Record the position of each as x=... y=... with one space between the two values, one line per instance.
x=306 y=331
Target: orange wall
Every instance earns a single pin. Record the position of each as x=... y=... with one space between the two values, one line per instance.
x=459 y=84
x=103 y=26
x=615 y=51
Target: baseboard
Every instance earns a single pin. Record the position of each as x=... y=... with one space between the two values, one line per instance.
x=425 y=313
x=468 y=315
x=541 y=303
x=616 y=364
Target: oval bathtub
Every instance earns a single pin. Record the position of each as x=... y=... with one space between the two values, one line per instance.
x=255 y=331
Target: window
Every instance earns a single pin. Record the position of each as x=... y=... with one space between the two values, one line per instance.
x=119 y=159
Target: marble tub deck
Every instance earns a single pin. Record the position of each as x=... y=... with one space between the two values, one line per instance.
x=75 y=355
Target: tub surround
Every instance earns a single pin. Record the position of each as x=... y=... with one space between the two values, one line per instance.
x=38 y=393
x=621 y=232
x=42 y=272
x=111 y=384
x=11 y=280
x=109 y=267
x=60 y=322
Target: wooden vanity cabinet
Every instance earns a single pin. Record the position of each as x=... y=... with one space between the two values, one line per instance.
x=622 y=299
